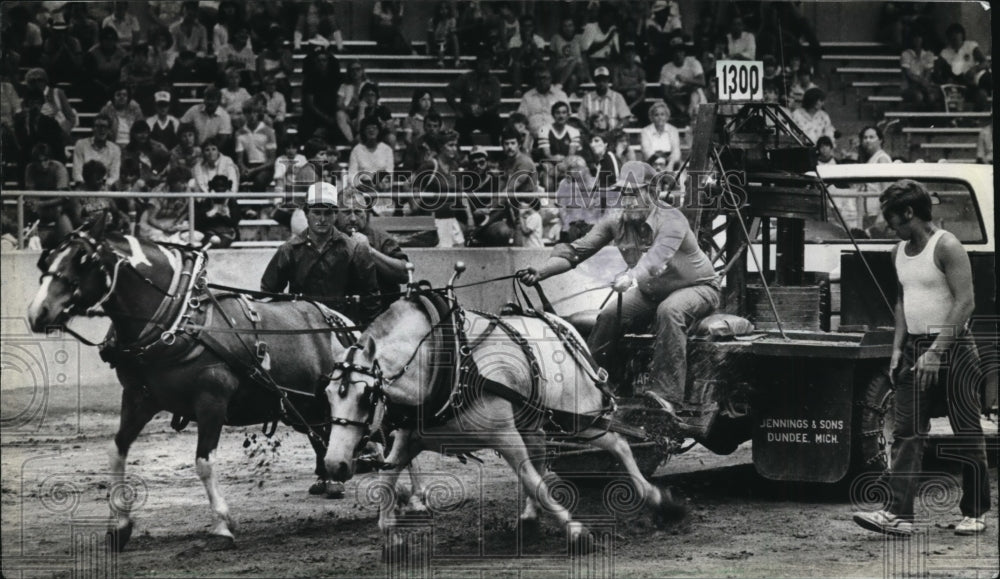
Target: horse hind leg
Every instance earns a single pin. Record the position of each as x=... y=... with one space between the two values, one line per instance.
x=137 y=410
x=519 y=459
x=660 y=501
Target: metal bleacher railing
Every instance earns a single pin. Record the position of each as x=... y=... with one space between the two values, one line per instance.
x=19 y=197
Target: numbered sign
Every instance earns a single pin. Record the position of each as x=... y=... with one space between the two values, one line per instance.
x=740 y=80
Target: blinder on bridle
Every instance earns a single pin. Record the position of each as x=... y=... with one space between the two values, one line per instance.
x=91 y=255
x=372 y=394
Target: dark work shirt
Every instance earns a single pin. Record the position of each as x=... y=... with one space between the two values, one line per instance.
x=388 y=245
x=343 y=267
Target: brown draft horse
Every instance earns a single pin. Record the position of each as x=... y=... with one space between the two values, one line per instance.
x=179 y=348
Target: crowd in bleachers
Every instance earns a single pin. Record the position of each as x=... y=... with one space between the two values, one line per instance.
x=231 y=96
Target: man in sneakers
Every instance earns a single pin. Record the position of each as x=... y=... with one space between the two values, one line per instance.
x=933 y=357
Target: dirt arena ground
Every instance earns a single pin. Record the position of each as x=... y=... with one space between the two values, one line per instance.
x=54 y=512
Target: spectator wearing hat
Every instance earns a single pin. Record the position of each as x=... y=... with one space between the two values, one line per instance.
x=740 y=44
x=123 y=112
x=55 y=104
x=188 y=32
x=475 y=98
x=256 y=148
x=208 y=118
x=218 y=217
x=682 y=81
x=354 y=220
x=62 y=54
x=324 y=263
x=371 y=162
x=103 y=66
x=213 y=163
x=125 y=24
x=98 y=147
x=163 y=125
x=605 y=100
x=670 y=281
x=536 y=104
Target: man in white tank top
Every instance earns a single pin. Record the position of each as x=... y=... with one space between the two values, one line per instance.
x=933 y=358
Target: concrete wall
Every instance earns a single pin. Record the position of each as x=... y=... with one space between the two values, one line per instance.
x=61 y=361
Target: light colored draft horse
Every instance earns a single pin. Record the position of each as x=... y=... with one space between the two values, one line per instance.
x=390 y=368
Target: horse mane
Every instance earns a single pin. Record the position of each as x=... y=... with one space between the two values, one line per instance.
x=385 y=323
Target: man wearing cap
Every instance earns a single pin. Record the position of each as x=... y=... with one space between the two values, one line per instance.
x=324 y=263
x=669 y=279
x=605 y=100
x=390 y=261
x=163 y=125
x=682 y=80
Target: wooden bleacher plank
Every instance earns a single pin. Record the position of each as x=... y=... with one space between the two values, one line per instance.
x=885 y=98
x=862 y=57
x=874 y=84
x=257 y=243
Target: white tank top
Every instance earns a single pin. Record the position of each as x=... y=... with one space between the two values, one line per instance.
x=926 y=295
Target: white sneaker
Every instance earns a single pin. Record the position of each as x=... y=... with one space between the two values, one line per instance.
x=884 y=522
x=971 y=526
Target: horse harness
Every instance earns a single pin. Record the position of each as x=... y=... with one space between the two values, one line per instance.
x=181 y=327
x=456 y=379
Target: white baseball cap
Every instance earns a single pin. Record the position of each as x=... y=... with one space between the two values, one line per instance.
x=602 y=71
x=161 y=96
x=321 y=193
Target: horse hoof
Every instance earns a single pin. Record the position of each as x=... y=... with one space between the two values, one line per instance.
x=334 y=489
x=220 y=543
x=318 y=487
x=118 y=538
x=671 y=510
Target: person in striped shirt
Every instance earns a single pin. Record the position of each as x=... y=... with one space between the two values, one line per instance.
x=605 y=100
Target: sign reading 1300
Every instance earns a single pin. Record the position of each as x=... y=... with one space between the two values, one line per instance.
x=741 y=80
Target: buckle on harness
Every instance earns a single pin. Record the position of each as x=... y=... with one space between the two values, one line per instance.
x=253 y=314
x=263 y=356
x=168 y=338
x=602 y=375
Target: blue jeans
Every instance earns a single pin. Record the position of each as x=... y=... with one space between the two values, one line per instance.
x=959 y=382
x=673 y=316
